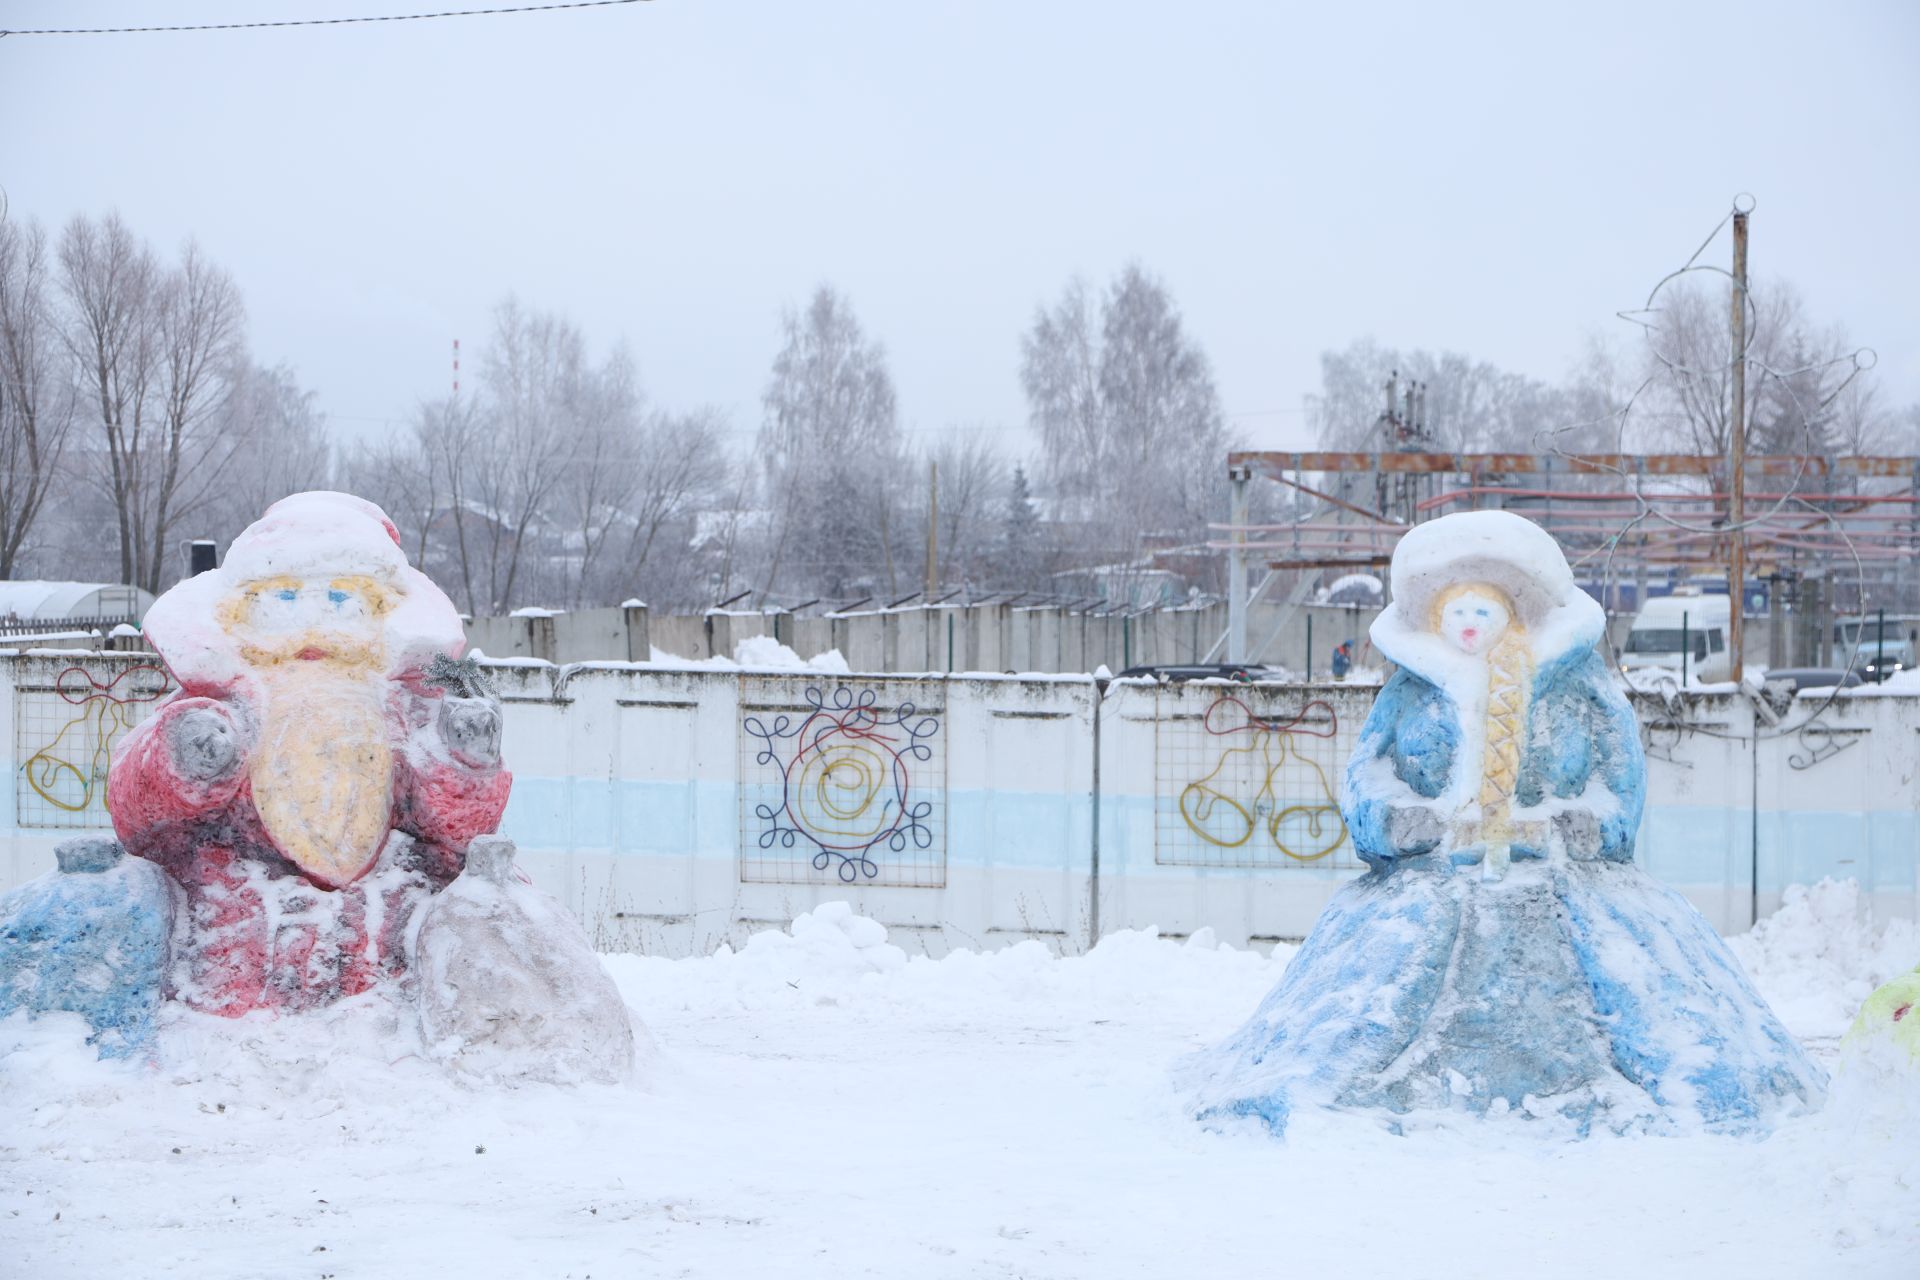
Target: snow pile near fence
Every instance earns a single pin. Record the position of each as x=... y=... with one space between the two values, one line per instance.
x=832 y=957
x=825 y=1105
x=1817 y=958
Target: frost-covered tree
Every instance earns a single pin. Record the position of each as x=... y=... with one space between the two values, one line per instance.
x=398 y=472
x=589 y=508
x=830 y=450
x=683 y=468
x=1471 y=405
x=36 y=395
x=551 y=482
x=971 y=476
x=1021 y=553
x=280 y=447
x=157 y=349
x=1804 y=394
x=537 y=403
x=1133 y=441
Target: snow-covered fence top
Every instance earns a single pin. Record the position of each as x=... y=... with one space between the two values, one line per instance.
x=1001 y=636
x=677 y=808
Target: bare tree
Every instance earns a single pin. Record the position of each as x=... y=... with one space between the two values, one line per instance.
x=1794 y=372
x=535 y=380
x=729 y=534
x=831 y=448
x=1133 y=439
x=1060 y=371
x=1471 y=405
x=550 y=484
x=1166 y=435
x=36 y=399
x=397 y=472
x=280 y=445
x=683 y=465
x=447 y=436
x=110 y=280
x=200 y=320
x=157 y=350
x=591 y=497
x=973 y=480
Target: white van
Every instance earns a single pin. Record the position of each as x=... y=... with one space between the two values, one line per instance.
x=1656 y=637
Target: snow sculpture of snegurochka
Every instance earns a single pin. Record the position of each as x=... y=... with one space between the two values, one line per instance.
x=294 y=809
x=1503 y=955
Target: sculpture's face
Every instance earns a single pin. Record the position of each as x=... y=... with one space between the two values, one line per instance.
x=333 y=622
x=1473 y=621
x=322 y=772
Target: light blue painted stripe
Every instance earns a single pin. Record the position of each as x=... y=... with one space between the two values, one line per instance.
x=1019 y=829
x=1703 y=845
x=1680 y=844
x=1697 y=846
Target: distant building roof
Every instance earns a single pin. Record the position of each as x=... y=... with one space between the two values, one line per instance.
x=35 y=601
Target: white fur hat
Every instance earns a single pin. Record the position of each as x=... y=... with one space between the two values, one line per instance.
x=308 y=535
x=1495 y=547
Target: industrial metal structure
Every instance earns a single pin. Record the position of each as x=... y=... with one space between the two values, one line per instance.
x=1849 y=525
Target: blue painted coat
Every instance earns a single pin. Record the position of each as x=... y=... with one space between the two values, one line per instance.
x=1580 y=728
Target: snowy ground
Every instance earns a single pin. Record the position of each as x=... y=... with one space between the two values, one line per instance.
x=819 y=1105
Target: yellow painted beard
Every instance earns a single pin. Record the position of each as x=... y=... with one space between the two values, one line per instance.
x=322 y=773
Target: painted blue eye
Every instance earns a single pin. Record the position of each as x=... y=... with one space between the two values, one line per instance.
x=337 y=597
x=287 y=593
x=1481 y=612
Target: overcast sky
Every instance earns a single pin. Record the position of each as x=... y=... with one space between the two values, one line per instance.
x=1491 y=179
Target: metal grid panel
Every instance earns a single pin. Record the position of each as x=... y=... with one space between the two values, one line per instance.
x=63 y=736
x=1247 y=777
x=843 y=781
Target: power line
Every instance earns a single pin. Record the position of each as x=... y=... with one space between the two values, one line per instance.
x=319 y=22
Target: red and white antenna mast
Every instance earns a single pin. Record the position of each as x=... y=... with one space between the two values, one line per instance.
x=456 y=368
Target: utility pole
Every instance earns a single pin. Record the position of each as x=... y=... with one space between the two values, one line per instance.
x=933 y=531
x=1737 y=446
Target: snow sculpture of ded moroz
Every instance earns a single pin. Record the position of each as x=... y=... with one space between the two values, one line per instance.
x=1504 y=955
x=313 y=785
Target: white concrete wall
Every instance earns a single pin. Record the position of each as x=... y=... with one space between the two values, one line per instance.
x=628 y=803
x=634 y=802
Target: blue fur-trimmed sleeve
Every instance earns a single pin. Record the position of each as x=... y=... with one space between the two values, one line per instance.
x=1410 y=739
x=1583 y=726
x=1619 y=757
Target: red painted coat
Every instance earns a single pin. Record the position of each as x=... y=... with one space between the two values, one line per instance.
x=258 y=933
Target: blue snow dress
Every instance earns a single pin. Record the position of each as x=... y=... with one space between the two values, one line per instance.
x=1574 y=989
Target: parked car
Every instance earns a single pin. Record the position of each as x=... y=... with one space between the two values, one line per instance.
x=1881 y=643
x=1798 y=678
x=1878 y=659
x=1243 y=672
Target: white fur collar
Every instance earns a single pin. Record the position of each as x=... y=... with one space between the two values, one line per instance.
x=1576 y=623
